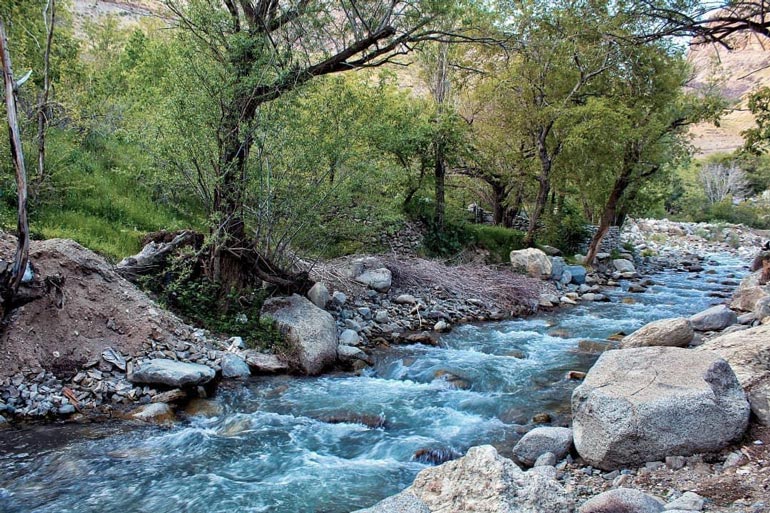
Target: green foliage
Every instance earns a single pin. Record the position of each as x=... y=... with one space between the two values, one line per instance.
x=564 y=229
x=201 y=302
x=499 y=241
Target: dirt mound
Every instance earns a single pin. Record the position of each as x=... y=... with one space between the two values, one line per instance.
x=84 y=309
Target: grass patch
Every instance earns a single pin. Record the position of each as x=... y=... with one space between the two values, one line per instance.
x=499 y=241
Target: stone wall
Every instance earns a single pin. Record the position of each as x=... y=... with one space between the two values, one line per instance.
x=611 y=239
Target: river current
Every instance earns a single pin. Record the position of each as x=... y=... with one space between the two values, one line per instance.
x=289 y=445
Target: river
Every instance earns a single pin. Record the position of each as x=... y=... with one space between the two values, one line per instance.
x=273 y=448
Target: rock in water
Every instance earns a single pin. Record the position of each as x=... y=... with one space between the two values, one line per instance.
x=578 y=273
x=713 y=319
x=556 y=440
x=643 y=404
x=533 y=262
x=622 y=500
x=666 y=332
x=155 y=413
x=319 y=295
x=233 y=366
x=310 y=332
x=624 y=266
x=484 y=482
x=171 y=373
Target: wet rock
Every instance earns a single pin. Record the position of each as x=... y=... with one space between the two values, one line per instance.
x=579 y=375
x=170 y=396
x=319 y=295
x=595 y=346
x=346 y=417
x=676 y=332
x=171 y=373
x=542 y=418
x=622 y=500
x=556 y=440
x=452 y=379
x=310 y=332
x=713 y=319
x=435 y=456
x=262 y=363
x=233 y=366
x=643 y=404
x=203 y=408
x=531 y=261
x=484 y=482
x=155 y=413
x=351 y=353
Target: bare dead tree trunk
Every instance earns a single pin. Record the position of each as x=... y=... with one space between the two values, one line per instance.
x=43 y=110
x=10 y=281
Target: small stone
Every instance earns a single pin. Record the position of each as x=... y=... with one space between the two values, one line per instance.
x=442 y=326
x=545 y=459
x=339 y=298
x=381 y=316
x=675 y=462
x=349 y=338
x=689 y=501
x=405 y=299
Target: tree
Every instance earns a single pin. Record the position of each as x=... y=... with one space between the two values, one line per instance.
x=11 y=276
x=720 y=181
x=264 y=49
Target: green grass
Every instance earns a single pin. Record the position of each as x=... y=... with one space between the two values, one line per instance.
x=94 y=197
x=499 y=241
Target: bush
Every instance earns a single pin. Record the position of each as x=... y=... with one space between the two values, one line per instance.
x=499 y=241
x=566 y=229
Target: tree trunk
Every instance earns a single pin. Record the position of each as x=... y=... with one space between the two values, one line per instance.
x=43 y=110
x=440 y=176
x=500 y=193
x=609 y=213
x=10 y=281
x=534 y=216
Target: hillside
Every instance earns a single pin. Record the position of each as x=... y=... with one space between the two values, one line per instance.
x=737 y=73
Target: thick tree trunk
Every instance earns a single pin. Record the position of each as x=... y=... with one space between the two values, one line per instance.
x=608 y=214
x=10 y=281
x=500 y=193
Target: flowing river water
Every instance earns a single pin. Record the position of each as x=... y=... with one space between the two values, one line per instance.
x=273 y=449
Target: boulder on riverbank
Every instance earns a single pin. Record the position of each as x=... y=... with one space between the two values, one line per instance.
x=541 y=440
x=531 y=261
x=480 y=482
x=309 y=332
x=715 y=318
x=676 y=332
x=371 y=272
x=160 y=371
x=749 y=292
x=644 y=404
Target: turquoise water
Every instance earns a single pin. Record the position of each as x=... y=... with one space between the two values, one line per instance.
x=274 y=450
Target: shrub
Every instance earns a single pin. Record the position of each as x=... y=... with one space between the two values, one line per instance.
x=498 y=240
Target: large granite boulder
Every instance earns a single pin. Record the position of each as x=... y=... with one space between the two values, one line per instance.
x=541 y=440
x=480 y=482
x=715 y=318
x=676 y=332
x=643 y=404
x=749 y=292
x=309 y=332
x=172 y=373
x=533 y=262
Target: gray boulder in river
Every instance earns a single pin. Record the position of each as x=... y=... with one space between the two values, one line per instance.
x=676 y=332
x=643 y=404
x=171 y=373
x=310 y=332
x=715 y=318
x=482 y=482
